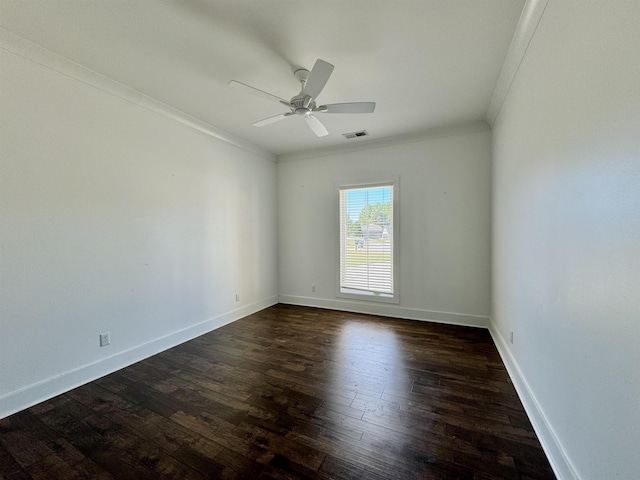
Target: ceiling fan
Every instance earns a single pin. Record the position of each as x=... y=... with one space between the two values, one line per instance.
x=304 y=104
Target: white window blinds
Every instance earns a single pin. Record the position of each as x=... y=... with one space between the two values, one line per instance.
x=366 y=239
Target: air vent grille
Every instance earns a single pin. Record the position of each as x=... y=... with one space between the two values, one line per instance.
x=361 y=133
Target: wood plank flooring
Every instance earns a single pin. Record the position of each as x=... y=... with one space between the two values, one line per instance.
x=290 y=393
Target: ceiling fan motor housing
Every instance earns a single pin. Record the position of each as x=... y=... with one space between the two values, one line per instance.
x=303 y=104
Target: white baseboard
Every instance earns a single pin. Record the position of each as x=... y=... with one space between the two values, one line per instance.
x=551 y=445
x=50 y=387
x=388 y=310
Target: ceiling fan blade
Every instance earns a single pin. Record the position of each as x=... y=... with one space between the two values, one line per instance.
x=275 y=118
x=354 y=107
x=257 y=92
x=316 y=126
x=318 y=77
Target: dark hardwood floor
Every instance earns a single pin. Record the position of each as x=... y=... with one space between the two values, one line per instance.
x=287 y=393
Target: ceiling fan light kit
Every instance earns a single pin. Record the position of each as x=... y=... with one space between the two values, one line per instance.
x=304 y=104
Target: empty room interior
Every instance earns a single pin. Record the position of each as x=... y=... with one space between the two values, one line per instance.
x=333 y=240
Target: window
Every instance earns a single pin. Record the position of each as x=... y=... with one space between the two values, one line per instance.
x=367 y=239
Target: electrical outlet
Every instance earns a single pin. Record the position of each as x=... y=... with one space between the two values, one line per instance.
x=511 y=336
x=105 y=339
x=313 y=288
x=237 y=297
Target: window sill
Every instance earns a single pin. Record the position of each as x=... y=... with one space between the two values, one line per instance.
x=367 y=296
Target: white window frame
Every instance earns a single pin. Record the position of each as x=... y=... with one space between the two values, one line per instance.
x=360 y=295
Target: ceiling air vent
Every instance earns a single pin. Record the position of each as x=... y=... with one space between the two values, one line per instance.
x=361 y=133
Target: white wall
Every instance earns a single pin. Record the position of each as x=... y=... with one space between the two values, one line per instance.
x=444 y=194
x=566 y=230
x=115 y=218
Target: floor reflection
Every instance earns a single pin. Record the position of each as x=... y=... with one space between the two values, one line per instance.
x=368 y=364
x=372 y=358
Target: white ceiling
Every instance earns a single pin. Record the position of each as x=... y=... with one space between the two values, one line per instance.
x=427 y=63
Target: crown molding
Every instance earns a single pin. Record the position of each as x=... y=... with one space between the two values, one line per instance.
x=35 y=53
x=525 y=30
x=366 y=144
